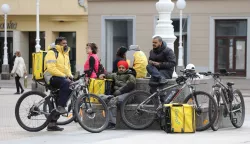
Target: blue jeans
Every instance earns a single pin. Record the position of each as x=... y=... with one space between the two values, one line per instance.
x=64 y=92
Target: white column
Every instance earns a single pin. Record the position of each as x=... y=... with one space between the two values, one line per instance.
x=38 y=47
x=180 y=57
x=164 y=27
x=5 y=57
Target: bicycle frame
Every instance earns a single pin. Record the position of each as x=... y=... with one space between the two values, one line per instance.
x=223 y=93
x=170 y=99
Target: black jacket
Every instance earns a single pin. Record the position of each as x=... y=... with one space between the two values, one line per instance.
x=166 y=57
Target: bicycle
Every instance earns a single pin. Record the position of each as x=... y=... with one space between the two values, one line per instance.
x=37 y=108
x=140 y=109
x=225 y=96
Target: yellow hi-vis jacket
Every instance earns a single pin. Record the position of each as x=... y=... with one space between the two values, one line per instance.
x=137 y=60
x=59 y=66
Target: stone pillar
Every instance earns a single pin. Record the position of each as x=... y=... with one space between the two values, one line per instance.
x=164 y=27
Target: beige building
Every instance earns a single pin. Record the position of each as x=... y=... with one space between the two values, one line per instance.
x=57 y=18
x=216 y=32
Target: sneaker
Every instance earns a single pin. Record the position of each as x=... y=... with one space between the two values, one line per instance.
x=61 y=110
x=111 y=126
x=22 y=91
x=17 y=93
x=54 y=128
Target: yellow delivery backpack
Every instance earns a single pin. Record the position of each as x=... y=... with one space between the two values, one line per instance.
x=38 y=64
x=100 y=86
x=179 y=118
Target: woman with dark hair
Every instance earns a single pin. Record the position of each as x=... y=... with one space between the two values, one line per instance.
x=92 y=63
x=120 y=55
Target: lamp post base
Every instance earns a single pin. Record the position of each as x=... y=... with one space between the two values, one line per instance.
x=5 y=72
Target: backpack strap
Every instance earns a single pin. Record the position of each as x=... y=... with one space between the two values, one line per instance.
x=55 y=51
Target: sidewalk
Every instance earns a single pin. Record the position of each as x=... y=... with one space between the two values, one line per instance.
x=240 y=83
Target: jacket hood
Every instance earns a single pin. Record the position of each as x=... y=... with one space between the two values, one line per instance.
x=59 y=48
x=134 y=47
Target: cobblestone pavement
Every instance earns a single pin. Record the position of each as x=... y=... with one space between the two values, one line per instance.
x=12 y=133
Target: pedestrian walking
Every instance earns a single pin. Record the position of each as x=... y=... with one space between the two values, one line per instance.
x=19 y=70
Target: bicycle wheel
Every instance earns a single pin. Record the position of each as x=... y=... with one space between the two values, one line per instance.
x=203 y=119
x=216 y=125
x=91 y=113
x=64 y=118
x=32 y=111
x=134 y=118
x=238 y=109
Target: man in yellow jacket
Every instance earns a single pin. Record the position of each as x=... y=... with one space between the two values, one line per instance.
x=58 y=75
x=137 y=60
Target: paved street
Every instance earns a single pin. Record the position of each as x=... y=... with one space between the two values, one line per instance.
x=11 y=133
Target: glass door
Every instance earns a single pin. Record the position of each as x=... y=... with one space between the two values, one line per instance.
x=240 y=56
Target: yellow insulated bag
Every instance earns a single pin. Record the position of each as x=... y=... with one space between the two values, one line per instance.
x=99 y=86
x=179 y=118
x=38 y=64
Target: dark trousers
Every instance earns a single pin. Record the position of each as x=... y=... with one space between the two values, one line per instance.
x=64 y=92
x=18 y=84
x=154 y=72
x=156 y=75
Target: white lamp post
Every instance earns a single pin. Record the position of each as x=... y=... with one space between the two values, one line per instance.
x=164 y=27
x=181 y=4
x=5 y=67
x=5 y=10
x=38 y=47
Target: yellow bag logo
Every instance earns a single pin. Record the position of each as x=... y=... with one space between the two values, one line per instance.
x=176 y=111
x=38 y=61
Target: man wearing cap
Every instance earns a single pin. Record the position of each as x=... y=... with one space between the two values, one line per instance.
x=124 y=82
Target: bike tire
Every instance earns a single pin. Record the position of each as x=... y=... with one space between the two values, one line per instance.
x=216 y=125
x=243 y=110
x=138 y=126
x=17 y=115
x=211 y=99
x=106 y=111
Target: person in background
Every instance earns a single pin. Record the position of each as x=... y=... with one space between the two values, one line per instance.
x=162 y=61
x=120 y=55
x=124 y=82
x=137 y=60
x=92 y=62
x=19 y=70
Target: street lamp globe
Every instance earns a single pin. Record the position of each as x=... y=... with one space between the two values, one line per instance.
x=5 y=8
x=181 y=4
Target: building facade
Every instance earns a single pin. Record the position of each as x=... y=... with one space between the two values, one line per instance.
x=57 y=18
x=216 y=33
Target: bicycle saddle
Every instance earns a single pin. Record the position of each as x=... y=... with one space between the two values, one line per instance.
x=230 y=83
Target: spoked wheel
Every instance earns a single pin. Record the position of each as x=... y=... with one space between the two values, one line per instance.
x=64 y=118
x=132 y=116
x=202 y=102
x=92 y=113
x=216 y=125
x=29 y=111
x=237 y=107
